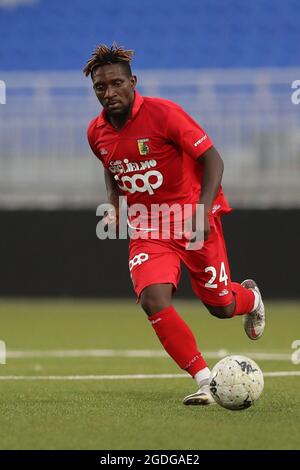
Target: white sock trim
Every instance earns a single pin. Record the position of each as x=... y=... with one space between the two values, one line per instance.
x=202 y=377
x=256 y=300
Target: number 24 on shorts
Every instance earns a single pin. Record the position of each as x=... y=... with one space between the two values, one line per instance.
x=222 y=277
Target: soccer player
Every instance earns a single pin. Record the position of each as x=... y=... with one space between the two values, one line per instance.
x=153 y=152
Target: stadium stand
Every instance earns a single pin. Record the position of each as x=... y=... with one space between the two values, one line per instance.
x=55 y=34
x=230 y=64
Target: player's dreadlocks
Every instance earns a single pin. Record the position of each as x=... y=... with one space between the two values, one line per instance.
x=104 y=55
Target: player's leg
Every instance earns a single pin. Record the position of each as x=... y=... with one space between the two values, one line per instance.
x=255 y=321
x=172 y=331
x=177 y=338
x=211 y=282
x=154 y=281
x=156 y=297
x=222 y=312
x=210 y=276
x=247 y=299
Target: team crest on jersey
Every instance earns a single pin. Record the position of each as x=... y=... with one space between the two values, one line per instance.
x=144 y=149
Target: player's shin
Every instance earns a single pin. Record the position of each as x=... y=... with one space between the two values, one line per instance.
x=178 y=340
x=244 y=299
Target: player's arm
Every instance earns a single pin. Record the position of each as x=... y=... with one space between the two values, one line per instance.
x=213 y=167
x=112 y=196
x=188 y=135
x=110 y=183
x=111 y=188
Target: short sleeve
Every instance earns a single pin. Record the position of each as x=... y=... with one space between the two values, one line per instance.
x=186 y=133
x=90 y=136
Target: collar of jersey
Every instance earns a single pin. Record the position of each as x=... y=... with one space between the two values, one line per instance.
x=138 y=101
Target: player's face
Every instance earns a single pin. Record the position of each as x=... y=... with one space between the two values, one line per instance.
x=114 y=88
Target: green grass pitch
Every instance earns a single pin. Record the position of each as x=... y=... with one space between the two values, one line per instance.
x=135 y=413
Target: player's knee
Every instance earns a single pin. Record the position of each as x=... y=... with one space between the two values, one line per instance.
x=221 y=312
x=151 y=304
x=156 y=297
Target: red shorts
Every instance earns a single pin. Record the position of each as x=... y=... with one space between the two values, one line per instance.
x=158 y=262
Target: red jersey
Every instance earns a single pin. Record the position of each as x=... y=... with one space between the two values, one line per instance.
x=154 y=157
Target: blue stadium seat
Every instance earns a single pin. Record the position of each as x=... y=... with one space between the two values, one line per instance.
x=55 y=34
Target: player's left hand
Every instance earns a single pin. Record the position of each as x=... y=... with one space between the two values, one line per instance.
x=206 y=227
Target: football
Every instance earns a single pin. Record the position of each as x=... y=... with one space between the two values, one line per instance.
x=236 y=382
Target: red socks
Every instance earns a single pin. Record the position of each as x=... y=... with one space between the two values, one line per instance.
x=244 y=299
x=178 y=340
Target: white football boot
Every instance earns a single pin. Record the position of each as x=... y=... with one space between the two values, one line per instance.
x=202 y=397
x=254 y=322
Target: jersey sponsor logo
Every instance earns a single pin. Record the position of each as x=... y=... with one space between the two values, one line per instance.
x=200 y=141
x=137 y=260
x=144 y=149
x=103 y=152
x=125 y=166
x=141 y=183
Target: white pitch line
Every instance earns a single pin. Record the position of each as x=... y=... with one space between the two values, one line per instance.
x=74 y=353
x=127 y=377
x=86 y=353
x=282 y=374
